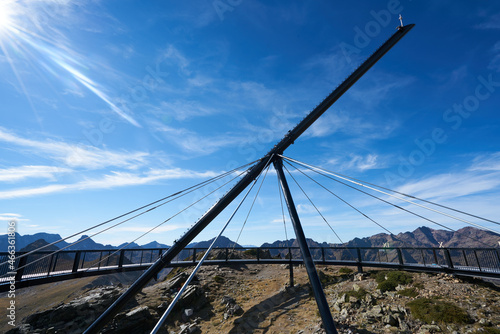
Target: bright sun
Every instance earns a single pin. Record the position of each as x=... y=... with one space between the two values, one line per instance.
x=6 y=15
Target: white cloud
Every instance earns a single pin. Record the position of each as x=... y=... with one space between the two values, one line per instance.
x=77 y=155
x=144 y=229
x=332 y=65
x=495 y=60
x=26 y=172
x=193 y=142
x=11 y=216
x=340 y=121
x=173 y=56
x=452 y=185
x=182 y=110
x=362 y=163
x=489 y=162
x=490 y=22
x=375 y=90
x=113 y=180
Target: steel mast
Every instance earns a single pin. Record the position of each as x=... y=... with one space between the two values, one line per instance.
x=251 y=174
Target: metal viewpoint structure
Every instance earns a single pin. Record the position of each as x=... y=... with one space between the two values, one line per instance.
x=74 y=264
x=252 y=173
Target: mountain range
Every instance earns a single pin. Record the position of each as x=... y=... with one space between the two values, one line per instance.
x=421 y=237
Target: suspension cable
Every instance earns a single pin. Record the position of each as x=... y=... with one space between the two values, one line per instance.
x=251 y=207
x=283 y=213
x=394 y=196
x=353 y=207
x=128 y=219
x=315 y=207
x=185 y=191
x=350 y=251
x=165 y=221
x=392 y=204
x=343 y=200
x=417 y=198
x=181 y=291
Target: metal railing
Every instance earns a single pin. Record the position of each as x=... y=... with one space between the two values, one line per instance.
x=44 y=266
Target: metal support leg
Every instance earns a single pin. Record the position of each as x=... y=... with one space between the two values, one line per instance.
x=319 y=294
x=291 y=275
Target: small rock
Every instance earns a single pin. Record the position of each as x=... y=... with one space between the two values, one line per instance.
x=429 y=329
x=390 y=320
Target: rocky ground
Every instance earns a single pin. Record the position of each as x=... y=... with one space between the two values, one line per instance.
x=258 y=299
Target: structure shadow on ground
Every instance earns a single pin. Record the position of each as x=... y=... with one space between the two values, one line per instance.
x=278 y=305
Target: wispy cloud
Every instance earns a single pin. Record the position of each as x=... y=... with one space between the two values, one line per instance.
x=495 y=60
x=76 y=155
x=486 y=162
x=362 y=163
x=29 y=172
x=173 y=56
x=182 y=110
x=340 y=121
x=193 y=142
x=490 y=22
x=11 y=216
x=113 y=180
x=376 y=88
x=452 y=185
x=144 y=229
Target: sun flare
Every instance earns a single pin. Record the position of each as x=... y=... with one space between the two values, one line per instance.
x=7 y=13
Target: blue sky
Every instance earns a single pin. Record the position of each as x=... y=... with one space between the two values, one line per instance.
x=109 y=105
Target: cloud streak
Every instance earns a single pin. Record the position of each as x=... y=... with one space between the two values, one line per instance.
x=76 y=155
x=112 y=180
x=30 y=172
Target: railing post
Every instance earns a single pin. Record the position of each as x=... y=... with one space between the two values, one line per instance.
x=54 y=266
x=76 y=262
x=50 y=264
x=194 y=255
x=258 y=254
x=360 y=267
x=465 y=258
x=423 y=257
x=323 y=254
x=400 y=256
x=448 y=258
x=477 y=260
x=83 y=260
x=435 y=256
x=122 y=257
x=20 y=268
x=108 y=257
x=100 y=259
x=227 y=254
x=291 y=274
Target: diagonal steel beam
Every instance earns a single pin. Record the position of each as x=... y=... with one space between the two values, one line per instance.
x=319 y=294
x=299 y=129
x=252 y=173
